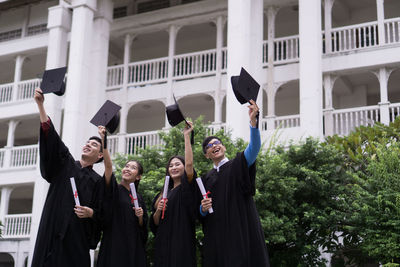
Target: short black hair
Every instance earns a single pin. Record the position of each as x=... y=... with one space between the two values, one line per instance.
x=207 y=140
x=96 y=138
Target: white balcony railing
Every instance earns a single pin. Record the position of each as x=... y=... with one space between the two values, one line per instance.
x=112 y=144
x=394 y=111
x=355 y=37
x=286 y=49
x=149 y=71
x=195 y=64
x=26 y=89
x=392 y=30
x=2 y=154
x=115 y=76
x=136 y=141
x=287 y=121
x=24 y=156
x=17 y=226
x=345 y=120
x=6 y=92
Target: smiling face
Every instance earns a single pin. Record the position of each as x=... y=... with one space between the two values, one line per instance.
x=176 y=168
x=215 y=150
x=91 y=151
x=131 y=172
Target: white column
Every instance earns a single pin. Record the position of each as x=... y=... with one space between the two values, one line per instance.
x=59 y=24
x=19 y=61
x=328 y=25
x=99 y=59
x=218 y=95
x=76 y=126
x=245 y=34
x=383 y=75
x=4 y=202
x=381 y=17
x=26 y=21
x=329 y=81
x=271 y=87
x=310 y=68
x=173 y=32
x=124 y=94
x=12 y=125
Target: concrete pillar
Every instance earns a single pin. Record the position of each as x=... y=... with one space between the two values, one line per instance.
x=124 y=94
x=381 y=17
x=220 y=21
x=59 y=24
x=80 y=68
x=173 y=32
x=329 y=81
x=245 y=36
x=383 y=76
x=19 y=61
x=12 y=125
x=4 y=202
x=99 y=58
x=328 y=25
x=271 y=88
x=310 y=68
x=25 y=22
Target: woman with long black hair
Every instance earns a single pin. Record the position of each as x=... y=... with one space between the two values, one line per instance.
x=175 y=242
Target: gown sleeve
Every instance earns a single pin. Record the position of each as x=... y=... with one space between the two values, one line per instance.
x=143 y=229
x=153 y=226
x=53 y=153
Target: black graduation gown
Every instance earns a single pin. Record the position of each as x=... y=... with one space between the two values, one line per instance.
x=232 y=234
x=175 y=238
x=63 y=239
x=124 y=240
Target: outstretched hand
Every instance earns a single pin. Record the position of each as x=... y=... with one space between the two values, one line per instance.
x=188 y=128
x=253 y=112
x=39 y=97
x=102 y=131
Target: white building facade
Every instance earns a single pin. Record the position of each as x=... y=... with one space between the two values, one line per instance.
x=325 y=67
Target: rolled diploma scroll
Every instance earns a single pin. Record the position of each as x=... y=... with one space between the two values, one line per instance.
x=203 y=191
x=134 y=195
x=165 y=194
x=74 y=191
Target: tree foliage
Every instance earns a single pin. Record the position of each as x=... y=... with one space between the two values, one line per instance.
x=341 y=196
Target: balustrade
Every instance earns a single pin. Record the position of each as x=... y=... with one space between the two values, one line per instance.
x=17 y=226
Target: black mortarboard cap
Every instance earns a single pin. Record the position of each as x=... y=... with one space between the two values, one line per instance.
x=108 y=116
x=53 y=81
x=174 y=114
x=244 y=87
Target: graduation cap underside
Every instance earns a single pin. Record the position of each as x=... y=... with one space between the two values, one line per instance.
x=175 y=116
x=108 y=116
x=53 y=81
x=245 y=87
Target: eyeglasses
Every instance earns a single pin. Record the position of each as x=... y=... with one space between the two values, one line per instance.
x=210 y=145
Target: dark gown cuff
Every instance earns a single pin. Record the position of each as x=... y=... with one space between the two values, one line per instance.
x=46 y=127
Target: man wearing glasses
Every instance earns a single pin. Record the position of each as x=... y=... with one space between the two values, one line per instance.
x=232 y=233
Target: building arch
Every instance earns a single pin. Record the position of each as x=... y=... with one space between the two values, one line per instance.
x=21 y=199
x=6 y=260
x=355 y=90
x=287 y=99
x=146 y=116
x=194 y=106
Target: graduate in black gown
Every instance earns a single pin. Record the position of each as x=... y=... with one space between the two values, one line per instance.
x=175 y=242
x=66 y=232
x=124 y=227
x=232 y=233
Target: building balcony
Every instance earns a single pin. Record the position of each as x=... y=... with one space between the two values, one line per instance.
x=19 y=157
x=17 y=226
